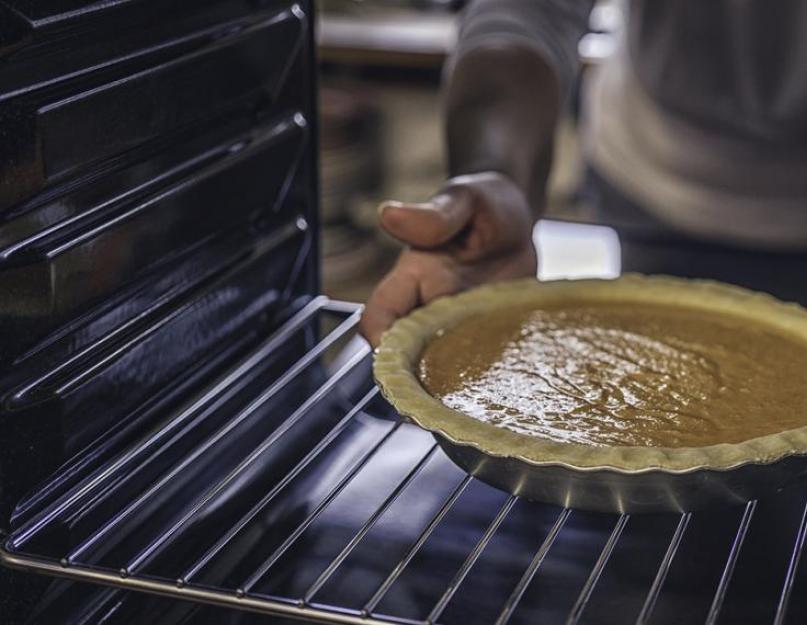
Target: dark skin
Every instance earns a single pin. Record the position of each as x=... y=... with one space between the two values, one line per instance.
x=502 y=108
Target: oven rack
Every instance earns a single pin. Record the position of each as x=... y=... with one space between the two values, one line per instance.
x=718 y=551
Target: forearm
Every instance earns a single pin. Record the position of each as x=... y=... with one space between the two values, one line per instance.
x=502 y=105
x=515 y=63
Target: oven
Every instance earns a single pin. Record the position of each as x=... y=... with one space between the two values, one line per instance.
x=189 y=431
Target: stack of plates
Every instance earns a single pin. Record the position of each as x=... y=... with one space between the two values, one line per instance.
x=352 y=163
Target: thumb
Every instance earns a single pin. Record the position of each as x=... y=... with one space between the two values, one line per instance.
x=431 y=223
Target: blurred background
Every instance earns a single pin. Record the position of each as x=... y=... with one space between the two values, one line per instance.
x=382 y=137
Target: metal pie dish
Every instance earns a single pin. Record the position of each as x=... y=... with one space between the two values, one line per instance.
x=609 y=479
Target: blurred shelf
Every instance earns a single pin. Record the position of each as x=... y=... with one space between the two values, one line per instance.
x=395 y=38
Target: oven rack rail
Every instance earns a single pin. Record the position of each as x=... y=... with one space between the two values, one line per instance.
x=306 y=606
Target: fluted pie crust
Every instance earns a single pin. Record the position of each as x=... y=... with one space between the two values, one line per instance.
x=398 y=355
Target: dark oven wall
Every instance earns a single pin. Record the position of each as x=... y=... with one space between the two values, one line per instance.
x=157 y=212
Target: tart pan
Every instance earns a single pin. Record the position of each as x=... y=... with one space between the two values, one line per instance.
x=610 y=479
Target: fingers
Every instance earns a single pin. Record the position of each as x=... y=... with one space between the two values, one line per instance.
x=492 y=216
x=430 y=224
x=394 y=297
x=417 y=278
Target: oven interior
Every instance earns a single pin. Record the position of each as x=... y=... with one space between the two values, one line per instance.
x=189 y=432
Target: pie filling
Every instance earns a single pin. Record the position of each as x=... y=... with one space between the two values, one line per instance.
x=606 y=374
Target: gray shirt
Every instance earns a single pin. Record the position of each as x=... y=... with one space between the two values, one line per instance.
x=701 y=115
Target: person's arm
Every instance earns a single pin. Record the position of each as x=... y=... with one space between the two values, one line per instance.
x=502 y=109
x=515 y=61
x=514 y=66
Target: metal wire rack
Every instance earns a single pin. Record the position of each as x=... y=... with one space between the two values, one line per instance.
x=290 y=488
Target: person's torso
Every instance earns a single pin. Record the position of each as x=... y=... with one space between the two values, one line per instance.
x=701 y=117
x=735 y=65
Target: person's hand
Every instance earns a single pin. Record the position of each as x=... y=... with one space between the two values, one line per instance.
x=476 y=229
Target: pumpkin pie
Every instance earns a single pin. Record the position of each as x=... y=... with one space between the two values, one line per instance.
x=629 y=374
